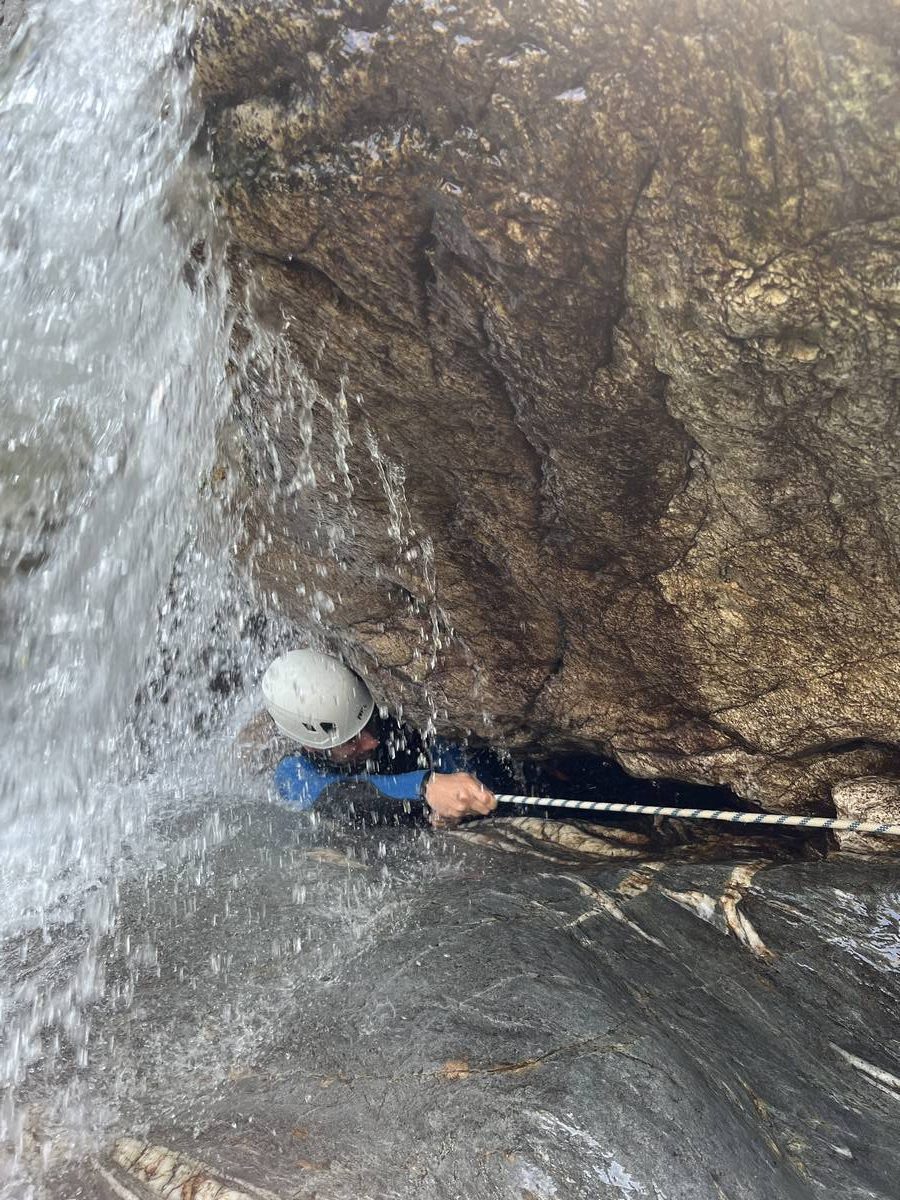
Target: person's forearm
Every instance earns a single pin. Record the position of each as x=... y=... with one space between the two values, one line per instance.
x=299 y=783
x=407 y=786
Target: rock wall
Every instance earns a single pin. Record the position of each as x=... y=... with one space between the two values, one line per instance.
x=602 y=300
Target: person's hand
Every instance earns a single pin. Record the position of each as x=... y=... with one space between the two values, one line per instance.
x=452 y=797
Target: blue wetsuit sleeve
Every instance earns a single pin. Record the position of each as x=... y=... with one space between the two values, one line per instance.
x=407 y=786
x=300 y=782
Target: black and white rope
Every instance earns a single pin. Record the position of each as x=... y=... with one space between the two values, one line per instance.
x=703 y=814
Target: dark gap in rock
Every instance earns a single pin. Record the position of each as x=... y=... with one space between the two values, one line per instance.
x=299 y=266
x=423 y=265
x=843 y=746
x=371 y=17
x=574 y=775
x=282 y=90
x=580 y=775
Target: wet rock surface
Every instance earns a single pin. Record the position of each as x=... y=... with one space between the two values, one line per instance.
x=445 y=1018
x=602 y=301
x=11 y=13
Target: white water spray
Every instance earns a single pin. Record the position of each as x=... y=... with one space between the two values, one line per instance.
x=113 y=344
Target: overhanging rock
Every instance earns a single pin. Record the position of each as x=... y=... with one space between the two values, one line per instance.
x=602 y=302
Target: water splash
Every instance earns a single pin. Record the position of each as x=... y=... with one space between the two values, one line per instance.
x=414 y=568
x=121 y=607
x=113 y=343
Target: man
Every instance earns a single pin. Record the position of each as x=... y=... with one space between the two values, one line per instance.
x=321 y=704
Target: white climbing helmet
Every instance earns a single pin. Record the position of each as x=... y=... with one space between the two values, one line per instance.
x=315 y=699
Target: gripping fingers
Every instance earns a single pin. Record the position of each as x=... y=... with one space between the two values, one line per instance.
x=480 y=800
x=454 y=796
x=484 y=803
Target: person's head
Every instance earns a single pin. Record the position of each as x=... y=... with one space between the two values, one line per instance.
x=320 y=703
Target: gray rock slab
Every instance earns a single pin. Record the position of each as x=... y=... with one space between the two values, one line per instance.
x=11 y=13
x=383 y=1013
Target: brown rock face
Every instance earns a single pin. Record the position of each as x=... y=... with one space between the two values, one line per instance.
x=868 y=799
x=602 y=302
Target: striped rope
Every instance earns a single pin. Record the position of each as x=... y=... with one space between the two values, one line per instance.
x=703 y=814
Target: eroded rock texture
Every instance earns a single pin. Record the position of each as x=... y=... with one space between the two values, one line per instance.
x=602 y=299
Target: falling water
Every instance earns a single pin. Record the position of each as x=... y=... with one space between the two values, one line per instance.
x=143 y=904
x=113 y=344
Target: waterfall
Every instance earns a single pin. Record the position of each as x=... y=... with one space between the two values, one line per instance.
x=113 y=350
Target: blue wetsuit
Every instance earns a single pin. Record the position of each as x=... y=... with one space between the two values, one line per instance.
x=300 y=779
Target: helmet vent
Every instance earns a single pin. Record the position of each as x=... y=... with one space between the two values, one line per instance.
x=327 y=726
